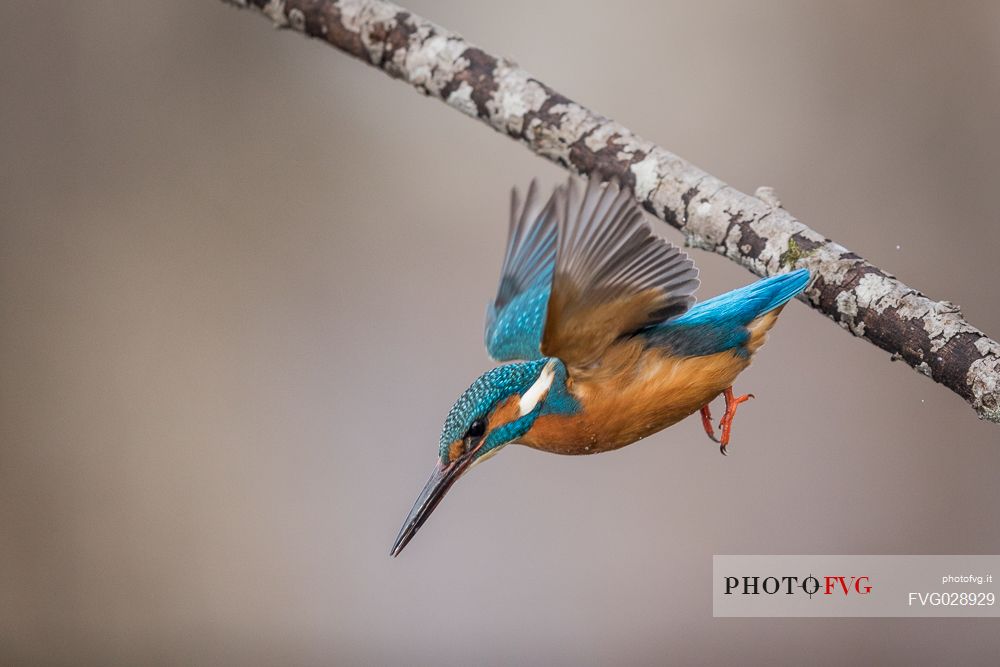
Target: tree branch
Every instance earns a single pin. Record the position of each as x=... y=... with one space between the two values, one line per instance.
x=931 y=336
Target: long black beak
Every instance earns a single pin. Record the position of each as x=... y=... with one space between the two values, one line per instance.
x=441 y=480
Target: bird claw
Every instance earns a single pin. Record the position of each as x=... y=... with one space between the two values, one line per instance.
x=706 y=422
x=726 y=423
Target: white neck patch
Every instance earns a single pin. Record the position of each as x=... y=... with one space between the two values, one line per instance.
x=538 y=390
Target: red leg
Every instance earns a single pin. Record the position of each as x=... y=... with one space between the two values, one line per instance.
x=706 y=422
x=727 y=419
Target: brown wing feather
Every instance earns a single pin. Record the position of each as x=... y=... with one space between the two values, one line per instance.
x=612 y=276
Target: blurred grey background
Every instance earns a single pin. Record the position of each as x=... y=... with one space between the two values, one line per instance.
x=243 y=278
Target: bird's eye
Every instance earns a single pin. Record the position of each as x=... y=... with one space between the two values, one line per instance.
x=477 y=429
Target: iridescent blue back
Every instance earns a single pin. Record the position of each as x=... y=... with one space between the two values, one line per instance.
x=719 y=324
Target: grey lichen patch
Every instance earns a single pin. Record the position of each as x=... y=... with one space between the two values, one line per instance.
x=646 y=176
x=430 y=63
x=876 y=292
x=914 y=306
x=847 y=306
x=986 y=346
x=833 y=266
x=297 y=20
x=767 y=194
x=461 y=99
x=275 y=10
x=600 y=137
x=558 y=129
x=983 y=379
x=948 y=307
x=717 y=231
x=575 y=122
x=631 y=144
x=773 y=228
x=516 y=95
x=661 y=195
x=941 y=330
x=356 y=15
x=630 y=148
x=990 y=414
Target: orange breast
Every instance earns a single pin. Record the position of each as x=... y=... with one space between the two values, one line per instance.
x=655 y=392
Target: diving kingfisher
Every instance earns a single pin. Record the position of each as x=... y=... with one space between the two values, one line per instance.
x=613 y=347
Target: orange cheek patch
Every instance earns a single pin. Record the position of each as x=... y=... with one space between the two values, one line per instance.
x=505 y=413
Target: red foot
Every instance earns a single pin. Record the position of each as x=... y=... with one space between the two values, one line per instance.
x=706 y=422
x=726 y=423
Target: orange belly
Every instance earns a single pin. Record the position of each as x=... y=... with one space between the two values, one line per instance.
x=655 y=393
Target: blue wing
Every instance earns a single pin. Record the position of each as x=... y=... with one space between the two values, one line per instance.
x=720 y=323
x=516 y=318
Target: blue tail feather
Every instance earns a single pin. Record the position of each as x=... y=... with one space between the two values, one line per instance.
x=719 y=324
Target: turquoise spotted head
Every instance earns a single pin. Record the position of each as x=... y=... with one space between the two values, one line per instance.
x=499 y=407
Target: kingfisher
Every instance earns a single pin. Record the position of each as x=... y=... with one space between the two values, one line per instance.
x=607 y=344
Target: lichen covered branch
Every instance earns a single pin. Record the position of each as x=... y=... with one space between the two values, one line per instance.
x=931 y=336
